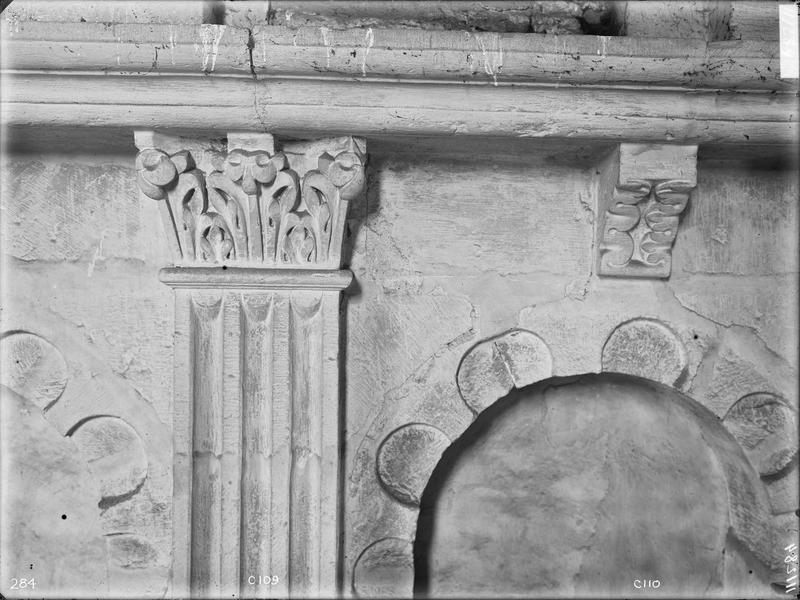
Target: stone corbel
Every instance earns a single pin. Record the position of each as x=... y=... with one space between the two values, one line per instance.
x=643 y=190
x=256 y=237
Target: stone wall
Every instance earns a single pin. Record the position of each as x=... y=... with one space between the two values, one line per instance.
x=80 y=302
x=448 y=248
x=485 y=356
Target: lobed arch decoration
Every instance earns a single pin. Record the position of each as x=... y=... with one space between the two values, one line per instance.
x=98 y=440
x=752 y=441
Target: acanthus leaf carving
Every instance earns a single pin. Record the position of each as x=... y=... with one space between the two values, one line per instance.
x=253 y=207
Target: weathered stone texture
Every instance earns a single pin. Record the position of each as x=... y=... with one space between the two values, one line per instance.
x=32 y=368
x=783 y=489
x=456 y=218
x=91 y=343
x=406 y=459
x=111 y=11
x=385 y=570
x=492 y=368
x=689 y=19
x=766 y=427
x=475 y=273
x=76 y=223
x=580 y=489
x=439 y=279
x=740 y=221
x=647 y=349
x=754 y=20
x=51 y=526
x=571 y=16
x=114 y=453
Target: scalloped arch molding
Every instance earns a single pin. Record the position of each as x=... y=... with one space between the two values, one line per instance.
x=637 y=349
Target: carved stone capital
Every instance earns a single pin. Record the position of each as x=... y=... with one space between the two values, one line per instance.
x=250 y=206
x=643 y=190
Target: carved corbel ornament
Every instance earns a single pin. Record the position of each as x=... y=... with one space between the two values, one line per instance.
x=254 y=208
x=644 y=189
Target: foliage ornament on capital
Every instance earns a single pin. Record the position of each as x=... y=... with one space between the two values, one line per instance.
x=253 y=208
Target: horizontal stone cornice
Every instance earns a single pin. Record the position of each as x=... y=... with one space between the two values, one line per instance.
x=153 y=49
x=397 y=82
x=314 y=107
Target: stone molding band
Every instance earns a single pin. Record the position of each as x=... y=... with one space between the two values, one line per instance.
x=254 y=278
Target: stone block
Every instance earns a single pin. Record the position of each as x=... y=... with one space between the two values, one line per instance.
x=111 y=11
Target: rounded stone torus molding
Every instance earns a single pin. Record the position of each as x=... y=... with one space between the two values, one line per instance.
x=493 y=367
x=115 y=455
x=33 y=368
x=645 y=348
x=406 y=459
x=765 y=426
x=385 y=569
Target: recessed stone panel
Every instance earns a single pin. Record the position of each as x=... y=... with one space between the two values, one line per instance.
x=578 y=490
x=766 y=427
x=407 y=458
x=33 y=368
x=385 y=569
x=645 y=348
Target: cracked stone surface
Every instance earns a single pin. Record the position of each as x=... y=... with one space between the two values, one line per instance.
x=492 y=368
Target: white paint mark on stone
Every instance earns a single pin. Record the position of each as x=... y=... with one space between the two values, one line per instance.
x=369 y=40
x=13 y=22
x=172 y=45
x=720 y=235
x=98 y=255
x=210 y=36
x=55 y=232
x=492 y=59
x=324 y=31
